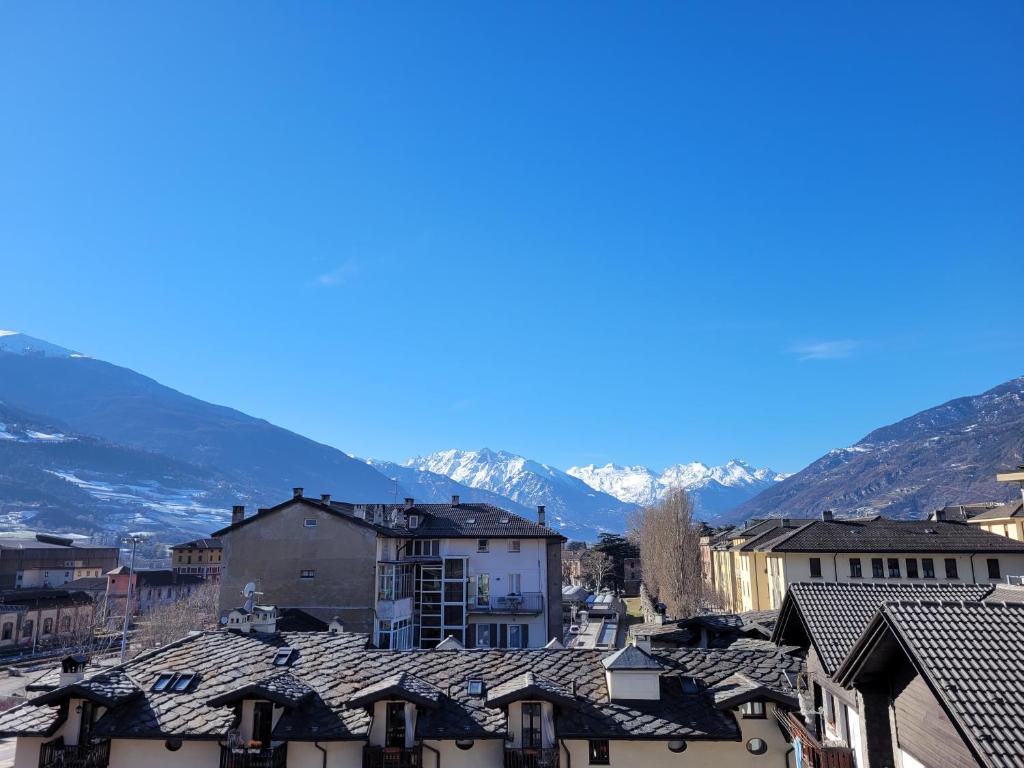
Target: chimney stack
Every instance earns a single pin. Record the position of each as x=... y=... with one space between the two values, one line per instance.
x=940 y=515
x=237 y=514
x=297 y=493
x=540 y=515
x=827 y=515
x=325 y=498
x=455 y=500
x=409 y=502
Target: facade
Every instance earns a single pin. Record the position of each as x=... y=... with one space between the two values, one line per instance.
x=632 y=575
x=1004 y=520
x=50 y=561
x=325 y=699
x=200 y=557
x=765 y=558
x=149 y=589
x=409 y=574
x=32 y=619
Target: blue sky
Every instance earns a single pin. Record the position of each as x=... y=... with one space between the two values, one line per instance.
x=582 y=232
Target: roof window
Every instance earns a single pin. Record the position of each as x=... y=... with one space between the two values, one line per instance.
x=470 y=521
x=283 y=657
x=184 y=681
x=475 y=688
x=162 y=681
x=178 y=682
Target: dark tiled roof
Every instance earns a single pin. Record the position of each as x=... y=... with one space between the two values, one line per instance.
x=972 y=655
x=832 y=616
x=43 y=598
x=884 y=535
x=284 y=689
x=88 y=584
x=779 y=529
x=400 y=686
x=631 y=657
x=738 y=689
x=207 y=543
x=529 y=685
x=297 y=620
x=106 y=688
x=1013 y=509
x=29 y=720
x=339 y=668
x=162 y=577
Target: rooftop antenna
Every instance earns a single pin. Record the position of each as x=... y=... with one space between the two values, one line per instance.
x=249 y=593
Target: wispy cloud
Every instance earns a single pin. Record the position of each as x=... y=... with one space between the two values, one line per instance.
x=825 y=350
x=340 y=275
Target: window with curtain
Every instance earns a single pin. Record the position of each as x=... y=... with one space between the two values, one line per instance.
x=531 y=725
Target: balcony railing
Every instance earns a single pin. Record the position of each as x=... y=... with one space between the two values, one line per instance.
x=392 y=757
x=243 y=757
x=815 y=754
x=526 y=602
x=54 y=754
x=531 y=758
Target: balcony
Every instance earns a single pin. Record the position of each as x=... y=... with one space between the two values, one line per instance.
x=57 y=754
x=815 y=754
x=243 y=757
x=392 y=757
x=531 y=758
x=526 y=602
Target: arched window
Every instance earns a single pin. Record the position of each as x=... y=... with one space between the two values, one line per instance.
x=26 y=628
x=8 y=630
x=47 y=626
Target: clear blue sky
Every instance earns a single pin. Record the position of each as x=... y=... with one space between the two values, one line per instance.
x=646 y=233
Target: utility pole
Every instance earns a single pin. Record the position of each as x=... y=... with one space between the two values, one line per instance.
x=128 y=598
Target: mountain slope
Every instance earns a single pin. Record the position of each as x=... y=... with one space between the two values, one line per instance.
x=944 y=455
x=120 y=406
x=572 y=505
x=714 y=490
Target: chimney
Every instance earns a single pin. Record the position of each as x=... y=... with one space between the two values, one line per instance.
x=827 y=515
x=540 y=515
x=72 y=669
x=237 y=514
x=325 y=498
x=297 y=493
x=336 y=627
x=455 y=500
x=785 y=522
x=940 y=515
x=643 y=642
x=409 y=502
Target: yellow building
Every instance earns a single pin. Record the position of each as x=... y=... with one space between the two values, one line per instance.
x=1005 y=520
x=739 y=573
x=201 y=557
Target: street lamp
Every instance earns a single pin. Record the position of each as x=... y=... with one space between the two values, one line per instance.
x=135 y=540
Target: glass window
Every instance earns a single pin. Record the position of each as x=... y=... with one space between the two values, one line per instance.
x=531 y=725
x=993 y=567
x=515 y=635
x=47 y=626
x=928 y=568
x=599 y=752
x=876 y=567
x=184 y=681
x=309 y=522
x=911 y=567
x=855 y=571
x=162 y=681
x=482 y=545
x=515 y=583
x=514 y=545
x=475 y=688
x=951 y=568
x=815 y=567
x=483 y=636
x=753 y=710
x=26 y=628
x=454 y=568
x=309 y=573
x=394 y=734
x=757 y=746
x=483 y=590
x=894 y=567
x=8 y=630
x=282 y=657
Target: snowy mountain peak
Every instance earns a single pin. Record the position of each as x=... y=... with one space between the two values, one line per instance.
x=17 y=343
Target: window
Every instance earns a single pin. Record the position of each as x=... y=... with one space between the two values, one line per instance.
x=876 y=567
x=394 y=726
x=815 y=567
x=951 y=568
x=993 y=567
x=830 y=707
x=184 y=681
x=426 y=547
x=531 y=725
x=283 y=657
x=483 y=545
x=753 y=710
x=515 y=583
x=47 y=626
x=515 y=545
x=911 y=567
x=483 y=636
x=483 y=590
x=855 y=572
x=475 y=688
x=894 y=567
x=309 y=522
x=162 y=681
x=65 y=624
x=8 y=630
x=515 y=635
x=26 y=628
x=414 y=521
x=394 y=582
x=308 y=573
x=757 y=746
x=599 y=752
x=394 y=634
x=928 y=567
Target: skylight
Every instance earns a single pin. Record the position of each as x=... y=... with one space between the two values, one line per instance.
x=184 y=681
x=470 y=521
x=283 y=657
x=475 y=688
x=162 y=682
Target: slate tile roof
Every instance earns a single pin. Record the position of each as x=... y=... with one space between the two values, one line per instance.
x=401 y=686
x=106 y=688
x=528 y=685
x=884 y=535
x=738 y=689
x=207 y=543
x=631 y=657
x=1012 y=509
x=972 y=654
x=338 y=668
x=284 y=689
x=832 y=616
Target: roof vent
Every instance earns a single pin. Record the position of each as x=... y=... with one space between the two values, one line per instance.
x=504 y=521
x=470 y=521
x=455 y=500
x=297 y=493
x=325 y=498
x=827 y=515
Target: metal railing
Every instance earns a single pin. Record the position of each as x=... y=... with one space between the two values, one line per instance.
x=524 y=602
x=393 y=757
x=243 y=757
x=815 y=754
x=57 y=754
x=531 y=758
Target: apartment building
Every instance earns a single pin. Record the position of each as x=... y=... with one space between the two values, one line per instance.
x=247 y=699
x=43 y=560
x=149 y=589
x=765 y=558
x=31 y=619
x=199 y=557
x=408 y=574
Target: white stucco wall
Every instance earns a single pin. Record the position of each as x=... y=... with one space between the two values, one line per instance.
x=132 y=753
x=634 y=685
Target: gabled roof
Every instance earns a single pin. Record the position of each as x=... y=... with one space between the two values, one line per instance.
x=402 y=686
x=970 y=654
x=1006 y=511
x=631 y=658
x=884 y=535
x=207 y=543
x=530 y=686
x=739 y=689
x=160 y=577
x=284 y=689
x=107 y=689
x=830 y=616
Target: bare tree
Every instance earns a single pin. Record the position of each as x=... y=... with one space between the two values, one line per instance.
x=168 y=622
x=669 y=542
x=595 y=568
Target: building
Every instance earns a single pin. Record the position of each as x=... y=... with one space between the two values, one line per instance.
x=32 y=619
x=149 y=589
x=199 y=557
x=632 y=575
x=572 y=566
x=325 y=699
x=409 y=574
x=44 y=560
x=827 y=619
x=940 y=684
x=765 y=559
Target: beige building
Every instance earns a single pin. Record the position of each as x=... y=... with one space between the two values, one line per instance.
x=314 y=699
x=199 y=557
x=40 y=561
x=34 y=619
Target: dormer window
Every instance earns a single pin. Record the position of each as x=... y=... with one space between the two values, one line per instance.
x=283 y=657
x=414 y=521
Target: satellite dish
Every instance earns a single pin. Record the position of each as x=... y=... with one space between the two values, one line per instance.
x=249 y=589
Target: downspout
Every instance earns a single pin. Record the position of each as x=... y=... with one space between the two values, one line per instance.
x=568 y=755
x=323 y=751
x=437 y=754
x=785 y=758
x=974 y=578
x=835 y=566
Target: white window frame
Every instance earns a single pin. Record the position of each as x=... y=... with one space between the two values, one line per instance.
x=515 y=545
x=515 y=584
x=491 y=641
x=483 y=545
x=309 y=522
x=518 y=630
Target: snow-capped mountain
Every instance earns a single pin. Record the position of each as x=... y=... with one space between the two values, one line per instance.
x=572 y=505
x=16 y=343
x=714 y=489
